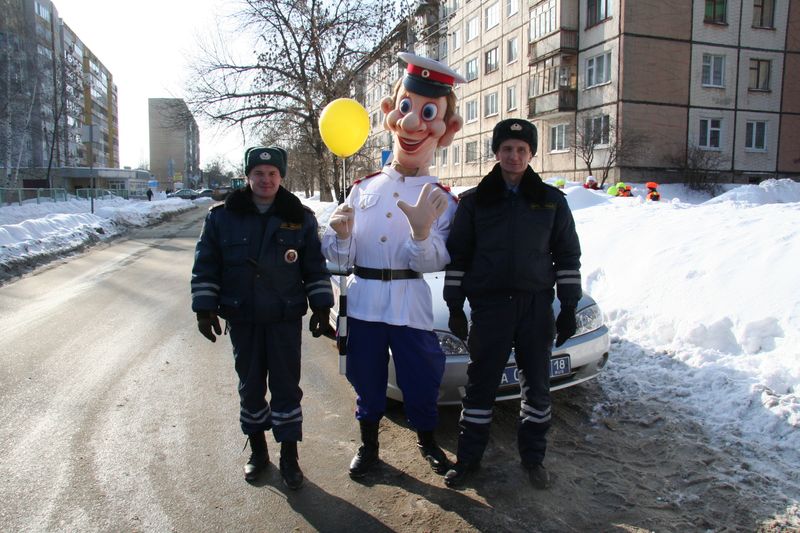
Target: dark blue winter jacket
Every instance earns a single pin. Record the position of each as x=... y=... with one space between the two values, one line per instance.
x=257 y=267
x=512 y=242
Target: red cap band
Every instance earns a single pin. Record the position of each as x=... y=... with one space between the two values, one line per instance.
x=429 y=74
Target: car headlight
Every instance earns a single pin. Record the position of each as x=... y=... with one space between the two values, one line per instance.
x=589 y=319
x=450 y=344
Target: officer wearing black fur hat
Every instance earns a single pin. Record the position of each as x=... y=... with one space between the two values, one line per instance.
x=513 y=238
x=258 y=265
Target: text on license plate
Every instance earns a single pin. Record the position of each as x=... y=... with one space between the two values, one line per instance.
x=559 y=366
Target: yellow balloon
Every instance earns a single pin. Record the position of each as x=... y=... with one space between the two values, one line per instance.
x=344 y=126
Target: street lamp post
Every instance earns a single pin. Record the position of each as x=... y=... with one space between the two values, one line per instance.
x=88 y=133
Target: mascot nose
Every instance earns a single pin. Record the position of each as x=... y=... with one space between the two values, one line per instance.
x=409 y=122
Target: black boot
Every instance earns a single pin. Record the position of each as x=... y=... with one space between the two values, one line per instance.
x=432 y=453
x=259 y=458
x=367 y=455
x=290 y=470
x=459 y=473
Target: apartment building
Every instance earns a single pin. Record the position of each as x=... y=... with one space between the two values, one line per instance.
x=642 y=90
x=51 y=86
x=174 y=143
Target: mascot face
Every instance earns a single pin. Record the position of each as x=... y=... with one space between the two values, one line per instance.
x=419 y=127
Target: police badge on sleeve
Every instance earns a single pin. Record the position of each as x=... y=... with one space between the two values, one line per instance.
x=290 y=256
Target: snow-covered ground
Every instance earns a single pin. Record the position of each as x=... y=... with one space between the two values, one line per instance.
x=701 y=295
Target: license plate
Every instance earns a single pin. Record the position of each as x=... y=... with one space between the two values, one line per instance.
x=559 y=366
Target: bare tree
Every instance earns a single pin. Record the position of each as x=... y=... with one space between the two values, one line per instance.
x=700 y=168
x=601 y=145
x=67 y=80
x=217 y=172
x=306 y=55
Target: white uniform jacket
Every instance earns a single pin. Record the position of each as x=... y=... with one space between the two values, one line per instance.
x=381 y=238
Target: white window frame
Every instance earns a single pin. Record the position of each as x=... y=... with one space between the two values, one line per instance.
x=457 y=39
x=492 y=16
x=543 y=20
x=473 y=26
x=471 y=148
x=511 y=97
x=592 y=124
x=558 y=138
x=471 y=74
x=443 y=157
x=512 y=50
x=490 y=107
x=512 y=7
x=602 y=11
x=598 y=70
x=456 y=155
x=751 y=136
x=705 y=143
x=487 y=59
x=712 y=62
x=471 y=110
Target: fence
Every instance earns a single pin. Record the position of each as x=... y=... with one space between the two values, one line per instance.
x=101 y=194
x=17 y=196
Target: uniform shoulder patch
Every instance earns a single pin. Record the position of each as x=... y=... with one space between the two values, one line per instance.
x=366 y=178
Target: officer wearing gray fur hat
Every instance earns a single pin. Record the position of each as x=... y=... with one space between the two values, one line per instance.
x=259 y=266
x=513 y=238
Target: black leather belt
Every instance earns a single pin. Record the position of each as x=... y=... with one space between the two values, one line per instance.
x=385 y=274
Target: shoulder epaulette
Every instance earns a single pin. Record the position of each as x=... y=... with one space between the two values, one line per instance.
x=216 y=206
x=468 y=192
x=446 y=188
x=366 y=178
x=308 y=209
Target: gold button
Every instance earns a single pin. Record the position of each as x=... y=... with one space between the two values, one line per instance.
x=389 y=214
x=396 y=195
x=383 y=239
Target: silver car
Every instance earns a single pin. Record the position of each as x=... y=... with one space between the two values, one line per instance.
x=579 y=359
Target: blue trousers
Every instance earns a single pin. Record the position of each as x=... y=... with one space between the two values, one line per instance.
x=269 y=354
x=524 y=321
x=418 y=364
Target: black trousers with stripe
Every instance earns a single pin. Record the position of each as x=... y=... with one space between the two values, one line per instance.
x=500 y=321
x=267 y=357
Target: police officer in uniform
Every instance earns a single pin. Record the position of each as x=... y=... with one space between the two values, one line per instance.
x=258 y=265
x=513 y=238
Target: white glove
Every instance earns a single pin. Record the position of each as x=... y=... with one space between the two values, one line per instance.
x=432 y=202
x=341 y=221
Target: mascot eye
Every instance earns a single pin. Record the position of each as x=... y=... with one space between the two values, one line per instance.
x=429 y=111
x=405 y=106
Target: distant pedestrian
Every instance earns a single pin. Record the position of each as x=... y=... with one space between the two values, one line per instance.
x=149 y=195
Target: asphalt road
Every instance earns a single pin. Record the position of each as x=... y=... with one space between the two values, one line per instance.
x=117 y=415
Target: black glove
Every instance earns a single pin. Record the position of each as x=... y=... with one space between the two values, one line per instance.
x=566 y=325
x=319 y=323
x=206 y=322
x=458 y=323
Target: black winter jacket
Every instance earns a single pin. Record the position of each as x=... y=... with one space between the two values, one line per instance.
x=257 y=267
x=502 y=242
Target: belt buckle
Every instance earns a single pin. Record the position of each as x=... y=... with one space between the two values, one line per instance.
x=386 y=274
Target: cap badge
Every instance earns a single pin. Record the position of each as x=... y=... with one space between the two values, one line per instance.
x=516 y=127
x=425 y=73
x=290 y=256
x=266 y=156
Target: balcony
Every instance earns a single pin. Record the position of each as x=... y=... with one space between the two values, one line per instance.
x=562 y=42
x=562 y=99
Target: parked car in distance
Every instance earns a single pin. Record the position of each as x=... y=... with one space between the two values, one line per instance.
x=205 y=193
x=186 y=194
x=579 y=359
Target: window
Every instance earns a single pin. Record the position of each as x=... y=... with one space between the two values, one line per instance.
x=597 y=11
x=511 y=98
x=472 y=110
x=598 y=70
x=716 y=11
x=443 y=157
x=710 y=132
x=512 y=7
x=512 y=50
x=759 y=75
x=596 y=129
x=713 y=70
x=492 y=15
x=763 y=13
x=491 y=60
x=456 y=155
x=490 y=105
x=44 y=51
x=472 y=29
x=755 y=135
x=42 y=10
x=472 y=69
x=543 y=20
x=488 y=155
x=456 y=40
x=442 y=49
x=558 y=138
x=472 y=152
